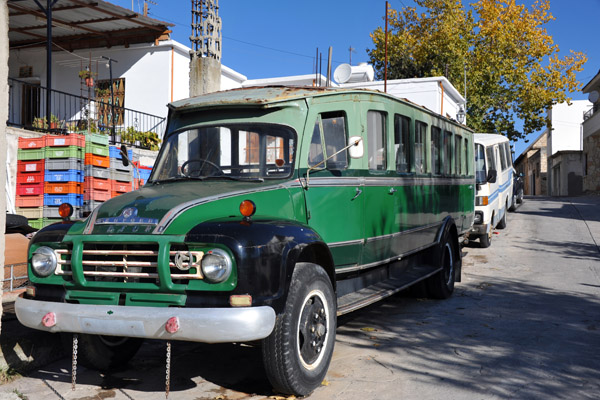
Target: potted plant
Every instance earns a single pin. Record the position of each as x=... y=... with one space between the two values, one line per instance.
x=39 y=123
x=53 y=121
x=88 y=76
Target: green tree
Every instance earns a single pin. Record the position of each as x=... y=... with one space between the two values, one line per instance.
x=514 y=71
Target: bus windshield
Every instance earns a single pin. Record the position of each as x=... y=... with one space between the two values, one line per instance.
x=236 y=151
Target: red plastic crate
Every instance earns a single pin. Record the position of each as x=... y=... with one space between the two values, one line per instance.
x=63 y=188
x=30 y=201
x=30 y=166
x=97 y=161
x=32 y=143
x=72 y=139
x=96 y=195
x=31 y=177
x=30 y=190
x=92 y=183
x=120 y=187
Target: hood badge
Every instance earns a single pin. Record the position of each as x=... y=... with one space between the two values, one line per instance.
x=129 y=216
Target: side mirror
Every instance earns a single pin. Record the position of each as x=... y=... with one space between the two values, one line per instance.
x=492 y=175
x=356 y=149
x=124 y=158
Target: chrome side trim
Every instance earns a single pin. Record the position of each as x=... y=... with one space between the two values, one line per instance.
x=406 y=232
x=346 y=243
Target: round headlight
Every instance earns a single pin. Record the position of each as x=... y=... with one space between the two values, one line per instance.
x=216 y=266
x=43 y=261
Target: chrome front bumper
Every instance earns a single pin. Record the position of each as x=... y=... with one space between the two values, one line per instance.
x=208 y=325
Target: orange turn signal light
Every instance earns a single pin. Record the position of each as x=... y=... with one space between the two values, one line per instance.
x=65 y=210
x=247 y=208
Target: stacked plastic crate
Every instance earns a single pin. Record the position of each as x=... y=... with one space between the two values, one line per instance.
x=63 y=175
x=29 y=200
x=121 y=176
x=97 y=185
x=141 y=175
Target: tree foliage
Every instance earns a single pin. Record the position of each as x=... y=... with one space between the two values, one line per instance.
x=513 y=68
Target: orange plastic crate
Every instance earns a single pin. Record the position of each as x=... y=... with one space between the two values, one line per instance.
x=63 y=188
x=120 y=187
x=72 y=139
x=30 y=201
x=97 y=161
x=92 y=183
x=32 y=143
x=96 y=195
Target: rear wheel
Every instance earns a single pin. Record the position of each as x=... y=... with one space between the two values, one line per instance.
x=502 y=222
x=297 y=354
x=441 y=285
x=104 y=353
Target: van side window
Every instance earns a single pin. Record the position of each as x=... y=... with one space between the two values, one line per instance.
x=480 y=168
x=508 y=154
x=420 y=147
x=376 y=140
x=491 y=158
x=436 y=159
x=502 y=156
x=402 y=142
x=332 y=125
x=447 y=153
x=458 y=164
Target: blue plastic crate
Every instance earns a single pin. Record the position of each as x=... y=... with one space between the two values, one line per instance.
x=70 y=175
x=76 y=200
x=142 y=173
x=115 y=152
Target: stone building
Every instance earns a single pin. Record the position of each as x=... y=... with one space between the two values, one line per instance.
x=533 y=164
x=591 y=137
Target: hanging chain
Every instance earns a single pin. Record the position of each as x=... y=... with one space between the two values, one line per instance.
x=74 y=363
x=168 y=374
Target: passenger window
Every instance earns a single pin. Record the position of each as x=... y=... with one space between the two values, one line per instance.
x=502 y=156
x=376 y=140
x=458 y=166
x=436 y=149
x=420 y=153
x=466 y=158
x=508 y=154
x=447 y=153
x=315 y=153
x=334 y=134
x=491 y=159
x=402 y=143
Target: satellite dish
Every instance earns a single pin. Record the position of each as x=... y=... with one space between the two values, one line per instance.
x=593 y=96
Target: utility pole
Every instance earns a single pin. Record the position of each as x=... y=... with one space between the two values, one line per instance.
x=205 y=57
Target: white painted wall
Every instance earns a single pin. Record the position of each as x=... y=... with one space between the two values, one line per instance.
x=566 y=121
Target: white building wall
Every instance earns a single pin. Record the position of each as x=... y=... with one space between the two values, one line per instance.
x=566 y=126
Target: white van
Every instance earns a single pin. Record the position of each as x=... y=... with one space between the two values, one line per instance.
x=494 y=179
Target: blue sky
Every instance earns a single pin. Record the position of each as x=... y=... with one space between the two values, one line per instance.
x=270 y=38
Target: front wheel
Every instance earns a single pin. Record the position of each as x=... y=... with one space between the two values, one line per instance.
x=441 y=285
x=104 y=353
x=297 y=354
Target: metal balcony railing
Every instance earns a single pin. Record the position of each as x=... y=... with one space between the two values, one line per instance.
x=72 y=113
x=588 y=114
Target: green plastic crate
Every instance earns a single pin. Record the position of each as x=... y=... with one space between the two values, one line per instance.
x=97 y=149
x=32 y=154
x=64 y=152
x=39 y=223
x=96 y=138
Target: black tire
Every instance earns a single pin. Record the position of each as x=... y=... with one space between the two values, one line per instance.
x=485 y=241
x=502 y=222
x=441 y=285
x=103 y=353
x=520 y=196
x=297 y=354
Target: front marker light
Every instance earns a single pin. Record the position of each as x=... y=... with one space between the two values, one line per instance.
x=43 y=261
x=481 y=201
x=216 y=266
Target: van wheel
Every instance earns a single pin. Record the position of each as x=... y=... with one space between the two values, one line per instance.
x=441 y=285
x=502 y=222
x=297 y=353
x=103 y=353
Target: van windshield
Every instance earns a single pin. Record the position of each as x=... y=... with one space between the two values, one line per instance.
x=480 y=174
x=236 y=151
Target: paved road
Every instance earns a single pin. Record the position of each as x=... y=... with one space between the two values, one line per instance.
x=524 y=323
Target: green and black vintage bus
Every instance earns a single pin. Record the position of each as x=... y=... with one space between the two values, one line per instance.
x=269 y=212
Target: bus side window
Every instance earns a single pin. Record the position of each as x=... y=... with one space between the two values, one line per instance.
x=436 y=159
x=466 y=157
x=447 y=162
x=420 y=147
x=402 y=143
x=376 y=140
x=332 y=125
x=458 y=165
